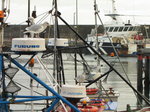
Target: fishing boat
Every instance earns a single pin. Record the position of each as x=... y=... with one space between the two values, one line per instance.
x=118 y=37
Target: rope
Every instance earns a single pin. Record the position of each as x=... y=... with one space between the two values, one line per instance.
x=44 y=68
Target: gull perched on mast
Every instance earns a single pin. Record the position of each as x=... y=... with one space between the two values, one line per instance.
x=36 y=28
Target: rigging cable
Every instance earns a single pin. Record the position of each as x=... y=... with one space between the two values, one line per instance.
x=43 y=18
x=47 y=71
x=49 y=29
x=117 y=55
x=29 y=89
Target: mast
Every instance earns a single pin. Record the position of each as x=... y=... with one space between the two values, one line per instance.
x=4 y=107
x=114 y=11
x=76 y=38
x=76 y=12
x=31 y=80
x=28 y=12
x=55 y=36
x=58 y=72
x=96 y=26
x=2 y=28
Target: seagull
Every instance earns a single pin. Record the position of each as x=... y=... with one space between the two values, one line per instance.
x=31 y=20
x=36 y=28
x=80 y=78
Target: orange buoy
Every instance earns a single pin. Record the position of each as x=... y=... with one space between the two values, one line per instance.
x=88 y=109
x=112 y=54
x=2 y=15
x=31 y=62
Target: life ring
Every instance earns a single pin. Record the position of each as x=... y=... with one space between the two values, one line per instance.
x=90 y=91
x=88 y=109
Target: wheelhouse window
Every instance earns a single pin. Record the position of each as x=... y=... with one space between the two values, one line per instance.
x=111 y=29
x=120 y=29
x=130 y=28
x=125 y=29
x=116 y=29
x=106 y=29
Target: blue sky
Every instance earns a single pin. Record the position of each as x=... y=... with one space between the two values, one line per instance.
x=18 y=10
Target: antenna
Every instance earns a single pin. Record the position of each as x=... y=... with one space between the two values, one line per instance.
x=76 y=38
x=114 y=11
x=28 y=12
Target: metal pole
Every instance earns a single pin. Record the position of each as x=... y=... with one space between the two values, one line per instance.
x=28 y=12
x=76 y=38
x=4 y=107
x=96 y=35
x=147 y=77
x=140 y=76
x=3 y=96
x=62 y=68
x=55 y=37
x=2 y=29
x=47 y=102
x=76 y=12
x=31 y=85
x=27 y=100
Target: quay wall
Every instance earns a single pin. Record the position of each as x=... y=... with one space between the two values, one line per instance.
x=16 y=31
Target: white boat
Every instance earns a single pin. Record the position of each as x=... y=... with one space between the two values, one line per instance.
x=117 y=35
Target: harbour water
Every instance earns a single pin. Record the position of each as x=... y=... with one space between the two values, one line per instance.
x=114 y=81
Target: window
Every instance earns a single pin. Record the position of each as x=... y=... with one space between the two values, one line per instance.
x=111 y=29
x=120 y=29
x=130 y=28
x=106 y=28
x=116 y=29
x=125 y=29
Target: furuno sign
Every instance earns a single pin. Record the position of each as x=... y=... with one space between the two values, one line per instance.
x=26 y=46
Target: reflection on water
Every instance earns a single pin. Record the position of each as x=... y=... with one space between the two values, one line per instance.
x=126 y=94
